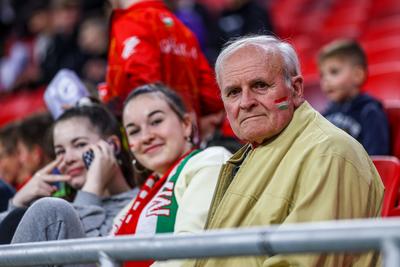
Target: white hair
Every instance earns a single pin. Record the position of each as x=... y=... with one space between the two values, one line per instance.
x=291 y=65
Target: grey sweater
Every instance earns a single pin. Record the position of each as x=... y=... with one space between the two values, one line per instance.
x=97 y=214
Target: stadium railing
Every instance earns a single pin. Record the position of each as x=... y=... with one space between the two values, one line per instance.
x=319 y=237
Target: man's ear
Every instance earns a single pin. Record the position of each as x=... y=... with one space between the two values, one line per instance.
x=114 y=140
x=297 y=90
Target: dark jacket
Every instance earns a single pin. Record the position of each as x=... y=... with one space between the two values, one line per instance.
x=6 y=192
x=363 y=118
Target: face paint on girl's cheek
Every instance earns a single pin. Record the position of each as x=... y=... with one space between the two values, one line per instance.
x=282 y=103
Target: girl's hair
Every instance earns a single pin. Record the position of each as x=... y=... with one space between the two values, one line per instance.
x=173 y=100
x=106 y=125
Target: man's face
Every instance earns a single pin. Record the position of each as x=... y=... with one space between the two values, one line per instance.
x=9 y=165
x=258 y=102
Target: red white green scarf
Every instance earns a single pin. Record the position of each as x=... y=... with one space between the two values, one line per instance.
x=155 y=207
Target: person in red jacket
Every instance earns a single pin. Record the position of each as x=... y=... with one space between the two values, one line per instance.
x=149 y=44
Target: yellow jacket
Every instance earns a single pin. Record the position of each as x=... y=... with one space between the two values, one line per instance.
x=311 y=171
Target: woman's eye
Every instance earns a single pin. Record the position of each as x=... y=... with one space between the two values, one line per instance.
x=156 y=121
x=81 y=144
x=59 y=152
x=133 y=132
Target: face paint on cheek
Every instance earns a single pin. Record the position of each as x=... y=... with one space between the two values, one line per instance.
x=282 y=103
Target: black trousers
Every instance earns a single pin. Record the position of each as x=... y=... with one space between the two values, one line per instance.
x=9 y=225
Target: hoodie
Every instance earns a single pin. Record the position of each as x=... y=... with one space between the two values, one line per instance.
x=364 y=119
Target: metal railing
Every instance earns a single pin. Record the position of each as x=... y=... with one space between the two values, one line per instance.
x=333 y=236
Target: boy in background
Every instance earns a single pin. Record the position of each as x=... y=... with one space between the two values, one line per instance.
x=34 y=145
x=343 y=70
x=9 y=163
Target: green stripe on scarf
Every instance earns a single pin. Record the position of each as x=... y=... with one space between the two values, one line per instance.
x=166 y=224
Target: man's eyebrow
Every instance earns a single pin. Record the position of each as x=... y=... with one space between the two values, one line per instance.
x=257 y=79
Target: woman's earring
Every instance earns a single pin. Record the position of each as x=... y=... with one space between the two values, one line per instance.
x=138 y=167
x=188 y=139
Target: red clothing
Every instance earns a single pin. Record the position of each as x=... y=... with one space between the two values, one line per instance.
x=149 y=44
x=18 y=186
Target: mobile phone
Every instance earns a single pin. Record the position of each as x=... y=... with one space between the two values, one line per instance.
x=88 y=156
x=64 y=190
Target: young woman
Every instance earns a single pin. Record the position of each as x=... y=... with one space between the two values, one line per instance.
x=177 y=193
x=177 y=181
x=103 y=188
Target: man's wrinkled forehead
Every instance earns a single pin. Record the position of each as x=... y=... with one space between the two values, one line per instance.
x=252 y=51
x=267 y=57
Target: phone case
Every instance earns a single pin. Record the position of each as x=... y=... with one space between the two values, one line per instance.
x=88 y=157
x=64 y=190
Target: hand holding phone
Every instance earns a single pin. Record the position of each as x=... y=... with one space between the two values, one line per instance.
x=88 y=155
x=101 y=165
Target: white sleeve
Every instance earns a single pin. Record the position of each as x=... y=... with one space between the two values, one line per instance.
x=194 y=191
x=195 y=188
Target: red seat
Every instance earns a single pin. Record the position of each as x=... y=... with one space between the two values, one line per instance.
x=384 y=8
x=376 y=45
x=381 y=29
x=19 y=104
x=384 y=81
x=388 y=168
x=350 y=25
x=389 y=56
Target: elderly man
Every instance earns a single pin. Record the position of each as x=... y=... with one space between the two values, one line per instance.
x=297 y=166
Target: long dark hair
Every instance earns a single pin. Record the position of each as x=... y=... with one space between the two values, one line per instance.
x=106 y=124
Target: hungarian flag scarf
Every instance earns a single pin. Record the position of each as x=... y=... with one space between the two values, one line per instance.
x=155 y=207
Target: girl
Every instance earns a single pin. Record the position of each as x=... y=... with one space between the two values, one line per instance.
x=176 y=196
x=102 y=190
